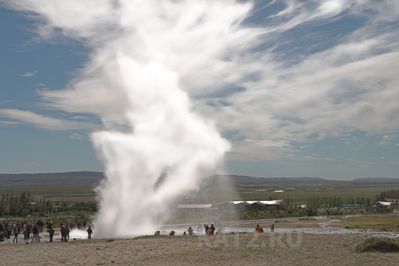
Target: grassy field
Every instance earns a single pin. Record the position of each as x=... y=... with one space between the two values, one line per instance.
x=68 y=199
x=385 y=222
x=240 y=192
x=298 y=193
x=55 y=193
x=79 y=186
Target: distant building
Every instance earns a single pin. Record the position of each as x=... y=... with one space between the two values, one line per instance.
x=301 y=206
x=384 y=204
x=260 y=204
x=395 y=202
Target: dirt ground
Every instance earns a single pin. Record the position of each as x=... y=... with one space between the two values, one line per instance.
x=229 y=249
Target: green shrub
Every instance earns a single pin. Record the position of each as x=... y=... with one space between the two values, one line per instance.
x=380 y=244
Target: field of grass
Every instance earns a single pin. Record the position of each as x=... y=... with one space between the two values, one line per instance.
x=379 y=244
x=241 y=192
x=387 y=222
x=78 y=186
x=56 y=194
x=298 y=193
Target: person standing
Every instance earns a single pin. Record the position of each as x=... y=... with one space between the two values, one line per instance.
x=212 y=230
x=35 y=231
x=9 y=230
x=190 y=231
x=206 y=227
x=28 y=230
x=259 y=229
x=2 y=231
x=89 y=232
x=67 y=230
x=51 y=233
x=63 y=233
x=15 y=233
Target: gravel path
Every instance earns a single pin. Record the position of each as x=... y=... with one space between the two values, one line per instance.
x=229 y=249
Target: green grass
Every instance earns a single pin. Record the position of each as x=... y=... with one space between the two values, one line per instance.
x=376 y=222
x=298 y=193
x=219 y=194
x=56 y=194
x=380 y=244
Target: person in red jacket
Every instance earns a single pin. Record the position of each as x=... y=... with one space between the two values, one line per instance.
x=259 y=229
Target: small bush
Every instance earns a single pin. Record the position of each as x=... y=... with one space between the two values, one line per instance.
x=380 y=244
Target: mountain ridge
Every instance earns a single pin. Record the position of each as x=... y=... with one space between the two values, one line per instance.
x=93 y=178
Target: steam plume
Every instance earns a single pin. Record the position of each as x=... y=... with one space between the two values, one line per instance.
x=146 y=56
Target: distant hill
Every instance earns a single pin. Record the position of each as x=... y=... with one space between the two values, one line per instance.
x=69 y=179
x=239 y=179
x=375 y=180
x=91 y=179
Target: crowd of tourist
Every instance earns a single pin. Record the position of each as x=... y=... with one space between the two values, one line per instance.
x=211 y=230
x=13 y=230
x=31 y=231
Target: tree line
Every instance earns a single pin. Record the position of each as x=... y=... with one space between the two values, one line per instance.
x=23 y=204
x=390 y=194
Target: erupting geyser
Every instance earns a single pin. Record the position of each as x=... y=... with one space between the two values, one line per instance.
x=165 y=151
x=145 y=58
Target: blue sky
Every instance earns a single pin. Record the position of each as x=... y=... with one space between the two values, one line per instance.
x=321 y=100
x=27 y=65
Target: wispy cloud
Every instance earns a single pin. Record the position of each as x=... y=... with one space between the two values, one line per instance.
x=6 y=123
x=43 y=121
x=29 y=74
x=346 y=88
x=291 y=89
x=76 y=136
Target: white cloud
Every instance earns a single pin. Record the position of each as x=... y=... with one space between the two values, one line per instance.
x=29 y=74
x=260 y=149
x=6 y=123
x=76 y=136
x=331 y=7
x=42 y=121
x=351 y=86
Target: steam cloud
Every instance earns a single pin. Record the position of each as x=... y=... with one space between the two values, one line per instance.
x=146 y=57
